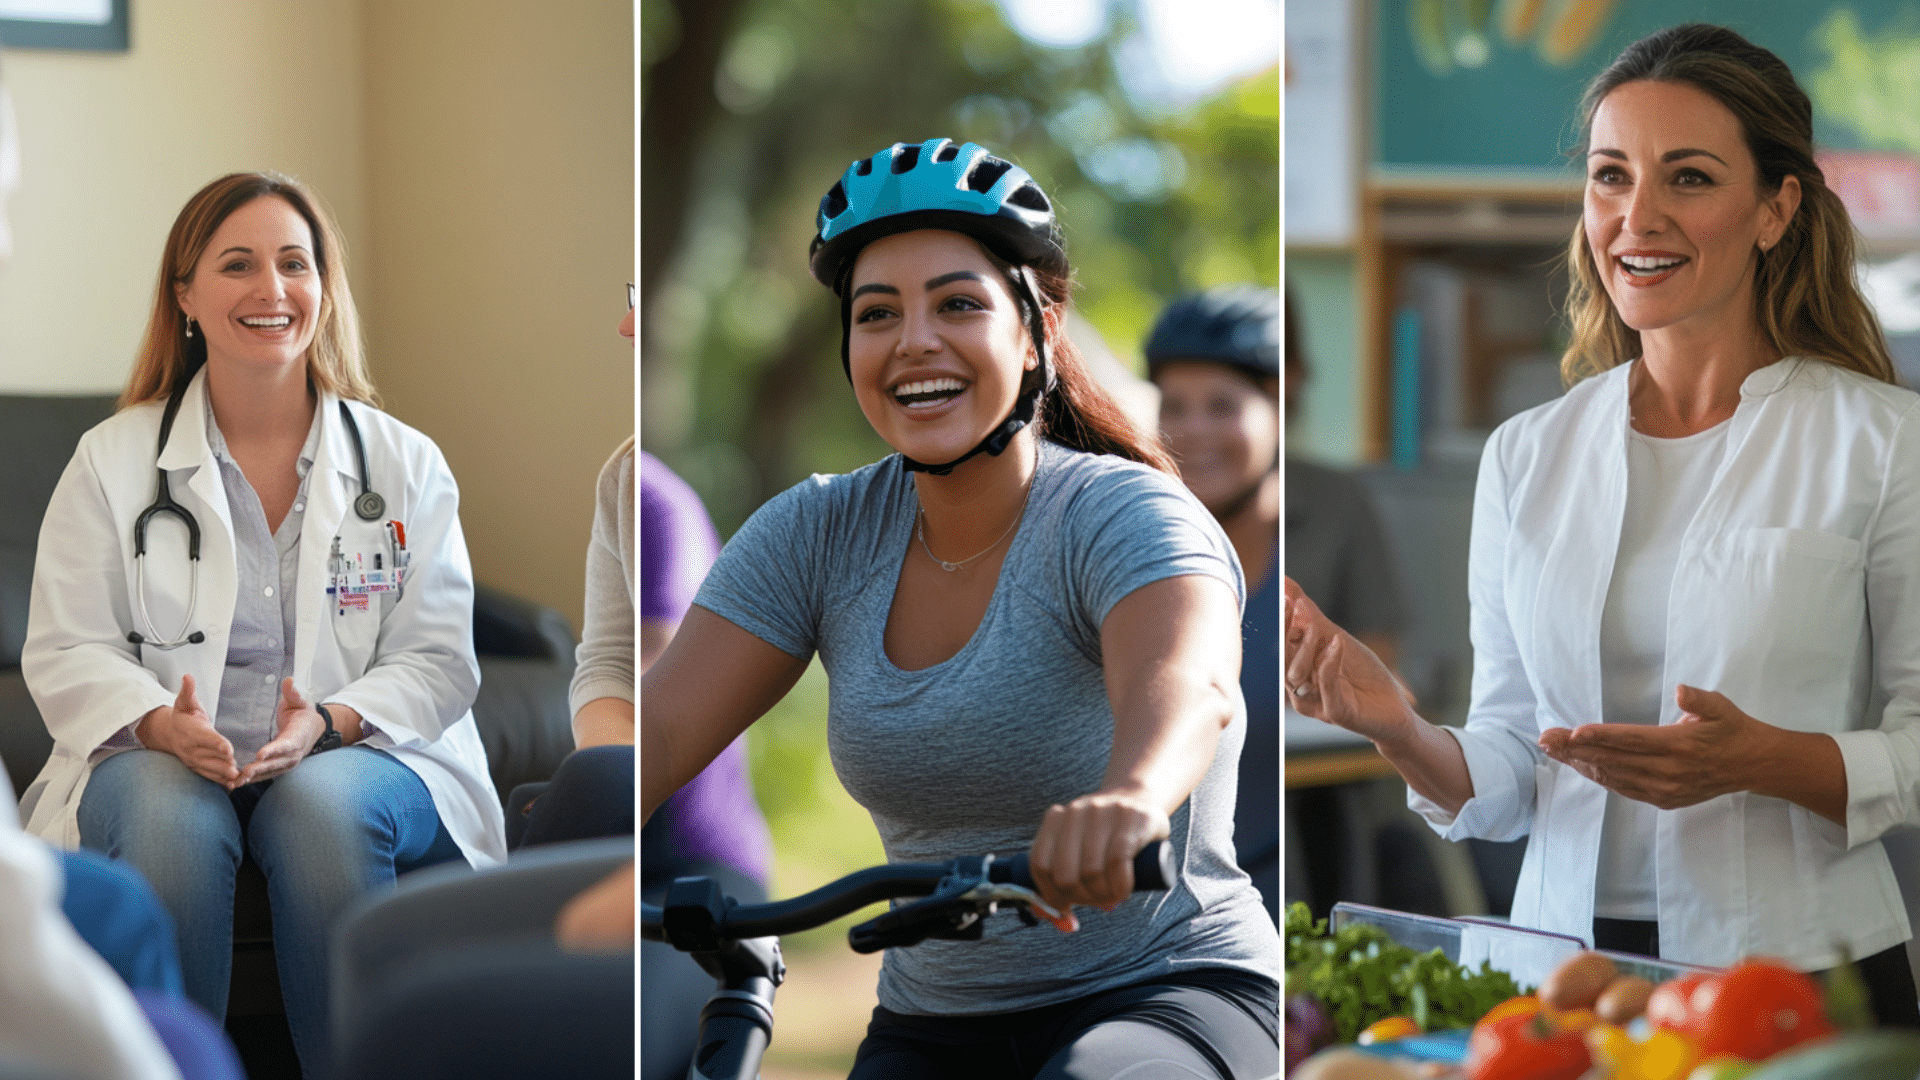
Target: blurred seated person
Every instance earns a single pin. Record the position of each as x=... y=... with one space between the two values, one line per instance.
x=64 y=1009
x=1216 y=357
x=712 y=827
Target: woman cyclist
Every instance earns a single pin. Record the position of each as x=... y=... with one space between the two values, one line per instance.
x=1031 y=632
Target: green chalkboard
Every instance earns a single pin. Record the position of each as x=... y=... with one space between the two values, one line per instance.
x=1856 y=58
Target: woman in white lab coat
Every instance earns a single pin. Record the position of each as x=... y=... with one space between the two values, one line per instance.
x=1695 y=578
x=282 y=695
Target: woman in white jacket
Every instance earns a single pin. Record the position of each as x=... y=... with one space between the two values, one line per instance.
x=1695 y=579
x=320 y=600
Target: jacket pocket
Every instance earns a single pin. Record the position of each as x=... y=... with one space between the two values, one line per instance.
x=1776 y=619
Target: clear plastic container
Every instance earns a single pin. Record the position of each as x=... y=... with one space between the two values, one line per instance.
x=1527 y=955
x=1652 y=969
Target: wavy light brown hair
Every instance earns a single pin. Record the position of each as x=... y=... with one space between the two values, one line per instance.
x=336 y=362
x=1805 y=295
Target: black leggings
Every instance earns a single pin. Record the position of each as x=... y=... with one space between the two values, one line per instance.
x=1888 y=976
x=1213 y=1024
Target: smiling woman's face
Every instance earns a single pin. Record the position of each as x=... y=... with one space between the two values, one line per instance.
x=255 y=293
x=1223 y=430
x=936 y=347
x=1675 y=214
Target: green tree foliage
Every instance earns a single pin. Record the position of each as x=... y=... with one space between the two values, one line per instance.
x=742 y=388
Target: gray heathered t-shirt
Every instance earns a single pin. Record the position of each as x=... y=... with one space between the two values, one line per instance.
x=964 y=757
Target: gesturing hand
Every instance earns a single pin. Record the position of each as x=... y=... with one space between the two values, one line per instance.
x=184 y=730
x=297 y=726
x=1331 y=676
x=1706 y=753
x=1084 y=851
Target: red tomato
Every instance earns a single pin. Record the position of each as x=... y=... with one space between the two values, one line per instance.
x=1673 y=1005
x=1760 y=1008
x=1526 y=1047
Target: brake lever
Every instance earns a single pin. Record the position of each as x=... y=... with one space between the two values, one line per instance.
x=993 y=893
x=956 y=912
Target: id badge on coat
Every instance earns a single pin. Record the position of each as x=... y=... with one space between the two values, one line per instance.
x=355 y=577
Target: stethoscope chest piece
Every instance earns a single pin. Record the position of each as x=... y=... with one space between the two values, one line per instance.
x=368 y=504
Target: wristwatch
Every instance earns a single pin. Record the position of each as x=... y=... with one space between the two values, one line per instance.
x=329 y=741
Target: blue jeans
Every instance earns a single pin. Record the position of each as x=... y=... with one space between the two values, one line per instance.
x=337 y=826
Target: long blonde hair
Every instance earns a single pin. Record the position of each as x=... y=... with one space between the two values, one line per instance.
x=336 y=362
x=1805 y=294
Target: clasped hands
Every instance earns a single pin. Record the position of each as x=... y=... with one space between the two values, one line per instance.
x=1713 y=749
x=184 y=730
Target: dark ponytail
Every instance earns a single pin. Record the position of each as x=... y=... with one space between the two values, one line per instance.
x=1077 y=412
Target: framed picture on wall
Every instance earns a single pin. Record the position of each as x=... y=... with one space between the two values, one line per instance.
x=91 y=25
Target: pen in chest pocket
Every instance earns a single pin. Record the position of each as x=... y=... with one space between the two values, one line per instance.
x=356 y=577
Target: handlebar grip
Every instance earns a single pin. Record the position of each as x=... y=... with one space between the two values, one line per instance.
x=1153 y=868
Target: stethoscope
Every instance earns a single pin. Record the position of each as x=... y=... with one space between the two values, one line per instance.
x=369 y=506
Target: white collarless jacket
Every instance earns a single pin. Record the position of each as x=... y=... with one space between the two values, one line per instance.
x=405 y=663
x=1796 y=593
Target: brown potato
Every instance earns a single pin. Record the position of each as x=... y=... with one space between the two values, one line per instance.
x=1624 y=999
x=1577 y=983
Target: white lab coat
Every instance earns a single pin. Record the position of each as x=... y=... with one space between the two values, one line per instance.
x=406 y=664
x=1796 y=594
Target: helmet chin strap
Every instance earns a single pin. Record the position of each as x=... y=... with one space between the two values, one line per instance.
x=1032 y=384
x=996 y=441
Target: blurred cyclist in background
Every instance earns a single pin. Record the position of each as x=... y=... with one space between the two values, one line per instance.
x=1216 y=358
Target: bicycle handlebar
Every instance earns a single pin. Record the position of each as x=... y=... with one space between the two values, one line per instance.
x=1153 y=870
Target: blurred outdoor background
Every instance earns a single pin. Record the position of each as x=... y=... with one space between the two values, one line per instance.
x=1153 y=125
x=1433 y=181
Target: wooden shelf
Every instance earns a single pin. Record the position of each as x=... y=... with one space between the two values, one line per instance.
x=1336 y=767
x=1495 y=222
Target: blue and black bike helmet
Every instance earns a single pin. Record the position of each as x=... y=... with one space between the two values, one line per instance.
x=960 y=188
x=1235 y=325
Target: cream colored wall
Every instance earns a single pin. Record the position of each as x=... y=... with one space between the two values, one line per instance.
x=113 y=144
x=500 y=167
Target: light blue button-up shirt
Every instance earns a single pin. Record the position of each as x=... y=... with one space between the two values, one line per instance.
x=260 y=644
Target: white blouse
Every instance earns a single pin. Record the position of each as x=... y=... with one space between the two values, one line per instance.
x=1796 y=593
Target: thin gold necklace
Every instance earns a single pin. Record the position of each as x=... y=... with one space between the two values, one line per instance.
x=920 y=529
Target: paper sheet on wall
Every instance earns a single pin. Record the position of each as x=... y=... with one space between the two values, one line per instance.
x=9 y=167
x=1322 y=123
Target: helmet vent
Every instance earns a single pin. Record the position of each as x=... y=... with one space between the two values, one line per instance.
x=946 y=153
x=863 y=167
x=1029 y=196
x=835 y=203
x=987 y=173
x=905 y=159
